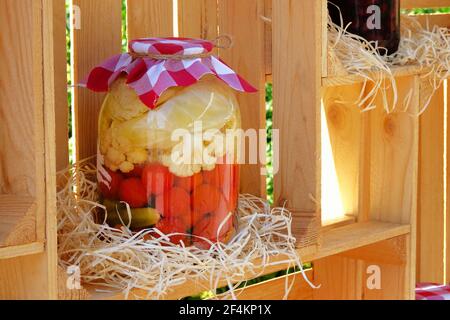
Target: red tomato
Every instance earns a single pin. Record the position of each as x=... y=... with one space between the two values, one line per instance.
x=189 y=183
x=162 y=203
x=222 y=210
x=136 y=172
x=132 y=191
x=231 y=188
x=111 y=191
x=222 y=176
x=168 y=226
x=229 y=184
x=206 y=199
x=212 y=177
x=209 y=228
x=180 y=202
x=156 y=179
x=232 y=201
x=175 y=204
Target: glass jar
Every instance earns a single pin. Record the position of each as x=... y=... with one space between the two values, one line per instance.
x=374 y=20
x=169 y=133
x=142 y=161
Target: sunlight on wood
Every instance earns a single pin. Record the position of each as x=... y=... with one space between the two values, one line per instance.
x=332 y=206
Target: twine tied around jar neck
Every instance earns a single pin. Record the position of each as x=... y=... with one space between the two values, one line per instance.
x=227 y=44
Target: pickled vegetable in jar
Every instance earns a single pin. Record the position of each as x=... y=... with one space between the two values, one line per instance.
x=374 y=20
x=165 y=160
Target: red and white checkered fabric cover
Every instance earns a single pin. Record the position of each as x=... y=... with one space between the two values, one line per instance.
x=432 y=291
x=150 y=77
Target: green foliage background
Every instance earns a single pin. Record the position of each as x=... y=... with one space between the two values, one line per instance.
x=428 y=11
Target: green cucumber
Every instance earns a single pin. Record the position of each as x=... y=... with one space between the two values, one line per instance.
x=140 y=217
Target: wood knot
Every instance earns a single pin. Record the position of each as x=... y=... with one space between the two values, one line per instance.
x=389 y=125
x=335 y=116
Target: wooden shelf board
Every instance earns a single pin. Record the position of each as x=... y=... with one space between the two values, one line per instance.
x=355 y=236
x=338 y=222
x=334 y=241
x=21 y=250
x=349 y=79
x=17 y=220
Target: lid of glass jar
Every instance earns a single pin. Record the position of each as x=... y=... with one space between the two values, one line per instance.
x=154 y=65
x=170 y=46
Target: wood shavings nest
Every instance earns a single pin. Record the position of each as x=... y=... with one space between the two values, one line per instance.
x=350 y=54
x=120 y=261
x=428 y=48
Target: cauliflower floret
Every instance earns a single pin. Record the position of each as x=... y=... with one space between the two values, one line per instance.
x=180 y=169
x=209 y=167
x=126 y=167
x=214 y=148
x=105 y=141
x=110 y=165
x=137 y=156
x=122 y=103
x=216 y=144
x=114 y=156
x=123 y=144
x=186 y=158
x=191 y=156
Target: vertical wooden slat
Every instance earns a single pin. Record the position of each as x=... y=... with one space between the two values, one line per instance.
x=197 y=19
x=60 y=84
x=150 y=18
x=392 y=283
x=396 y=280
x=447 y=213
x=409 y=291
x=324 y=38
x=364 y=167
x=39 y=113
x=339 y=278
x=98 y=38
x=19 y=98
x=268 y=36
x=394 y=147
x=242 y=20
x=296 y=86
x=394 y=157
x=431 y=205
x=56 y=149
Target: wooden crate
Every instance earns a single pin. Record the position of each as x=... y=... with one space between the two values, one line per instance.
x=21 y=130
x=27 y=158
x=375 y=155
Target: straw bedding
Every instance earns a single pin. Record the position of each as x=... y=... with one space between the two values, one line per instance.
x=428 y=48
x=120 y=261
